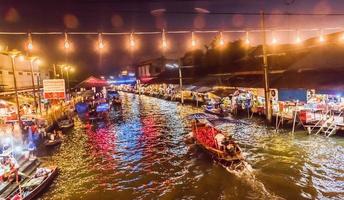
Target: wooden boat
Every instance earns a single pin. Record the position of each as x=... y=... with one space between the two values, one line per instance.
x=216 y=111
x=51 y=143
x=35 y=185
x=229 y=155
x=66 y=123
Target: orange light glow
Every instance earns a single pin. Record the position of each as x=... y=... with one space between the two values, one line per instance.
x=164 y=41
x=221 y=40
x=193 y=40
x=132 y=41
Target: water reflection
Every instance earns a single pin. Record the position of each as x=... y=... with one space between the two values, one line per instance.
x=139 y=153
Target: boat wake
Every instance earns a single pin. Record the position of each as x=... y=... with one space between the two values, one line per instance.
x=246 y=175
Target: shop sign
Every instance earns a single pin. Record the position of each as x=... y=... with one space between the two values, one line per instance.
x=54 y=89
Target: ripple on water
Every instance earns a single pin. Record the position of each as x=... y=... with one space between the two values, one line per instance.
x=139 y=153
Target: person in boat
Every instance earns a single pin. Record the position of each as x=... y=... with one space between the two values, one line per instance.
x=59 y=135
x=230 y=148
x=42 y=172
x=53 y=135
x=14 y=167
x=220 y=139
x=42 y=132
x=2 y=172
x=11 y=168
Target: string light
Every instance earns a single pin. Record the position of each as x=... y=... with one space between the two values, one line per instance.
x=132 y=41
x=38 y=61
x=221 y=40
x=164 y=42
x=29 y=42
x=66 y=42
x=67 y=45
x=247 y=40
x=101 y=44
x=193 y=41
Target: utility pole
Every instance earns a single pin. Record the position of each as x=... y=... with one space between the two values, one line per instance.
x=39 y=92
x=268 y=110
x=181 y=81
x=15 y=87
x=33 y=84
x=61 y=72
x=54 y=66
x=68 y=88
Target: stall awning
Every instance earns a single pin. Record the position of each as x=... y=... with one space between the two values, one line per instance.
x=292 y=95
x=203 y=89
x=92 y=82
x=330 y=92
x=223 y=92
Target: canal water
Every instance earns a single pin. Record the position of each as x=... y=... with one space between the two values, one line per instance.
x=140 y=153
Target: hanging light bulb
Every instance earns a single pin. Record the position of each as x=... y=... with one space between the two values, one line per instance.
x=298 y=38
x=29 y=43
x=342 y=37
x=21 y=58
x=274 y=39
x=247 y=40
x=164 y=42
x=193 y=41
x=221 y=40
x=101 y=44
x=321 y=36
x=66 y=42
x=132 y=42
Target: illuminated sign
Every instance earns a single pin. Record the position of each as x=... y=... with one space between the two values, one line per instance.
x=54 y=89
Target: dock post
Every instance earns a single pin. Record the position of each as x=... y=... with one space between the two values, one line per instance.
x=276 y=122
x=294 y=121
x=268 y=110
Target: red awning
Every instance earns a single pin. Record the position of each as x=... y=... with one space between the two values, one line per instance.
x=92 y=82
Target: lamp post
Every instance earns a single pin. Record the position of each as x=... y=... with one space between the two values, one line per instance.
x=38 y=85
x=39 y=92
x=13 y=54
x=268 y=110
x=54 y=67
x=68 y=69
x=181 y=81
x=32 y=60
x=61 y=71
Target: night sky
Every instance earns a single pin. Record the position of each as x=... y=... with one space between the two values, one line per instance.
x=118 y=16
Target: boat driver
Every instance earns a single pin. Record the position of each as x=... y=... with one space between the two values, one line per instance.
x=230 y=148
x=220 y=138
